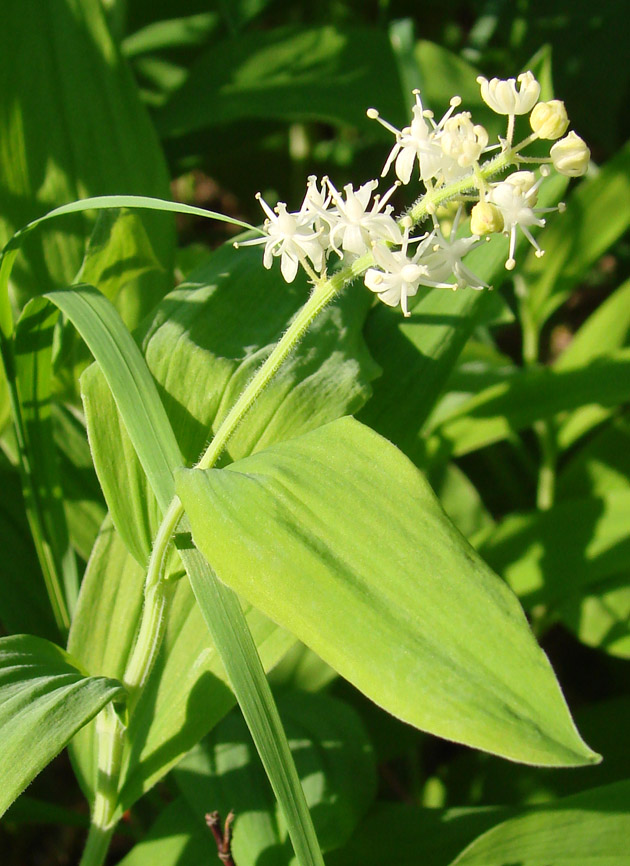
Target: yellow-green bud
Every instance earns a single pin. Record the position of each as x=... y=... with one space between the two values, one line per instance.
x=485 y=218
x=570 y=156
x=549 y=119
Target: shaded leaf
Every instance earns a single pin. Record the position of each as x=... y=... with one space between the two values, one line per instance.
x=334 y=761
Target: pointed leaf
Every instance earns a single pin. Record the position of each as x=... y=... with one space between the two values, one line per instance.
x=591 y=828
x=378 y=582
x=44 y=700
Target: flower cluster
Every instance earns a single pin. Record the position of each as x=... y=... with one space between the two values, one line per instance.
x=358 y=225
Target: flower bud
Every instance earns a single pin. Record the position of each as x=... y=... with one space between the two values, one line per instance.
x=570 y=155
x=503 y=97
x=549 y=119
x=485 y=218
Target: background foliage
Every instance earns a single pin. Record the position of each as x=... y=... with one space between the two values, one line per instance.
x=208 y=102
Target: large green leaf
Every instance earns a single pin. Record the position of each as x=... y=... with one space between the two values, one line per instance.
x=72 y=126
x=589 y=829
x=186 y=694
x=214 y=331
x=44 y=700
x=378 y=582
x=289 y=73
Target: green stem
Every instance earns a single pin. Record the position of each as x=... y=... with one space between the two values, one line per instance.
x=544 y=430
x=110 y=734
x=247 y=680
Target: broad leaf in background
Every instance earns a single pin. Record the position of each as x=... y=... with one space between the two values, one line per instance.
x=407 y=835
x=337 y=537
x=547 y=556
x=186 y=694
x=334 y=761
x=98 y=138
x=41 y=479
x=213 y=332
x=335 y=764
x=325 y=73
x=83 y=499
x=605 y=330
x=41 y=691
x=532 y=394
x=591 y=828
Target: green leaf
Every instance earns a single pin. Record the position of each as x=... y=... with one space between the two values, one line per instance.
x=601 y=617
x=409 y=836
x=24 y=605
x=119 y=261
x=44 y=701
x=83 y=499
x=334 y=761
x=591 y=828
x=131 y=384
x=72 y=126
x=41 y=479
x=335 y=765
x=605 y=330
x=595 y=217
x=288 y=73
x=522 y=399
x=548 y=556
x=215 y=330
x=386 y=591
x=186 y=693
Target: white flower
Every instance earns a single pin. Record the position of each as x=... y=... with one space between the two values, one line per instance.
x=417 y=141
x=515 y=201
x=503 y=97
x=317 y=204
x=570 y=156
x=445 y=257
x=290 y=236
x=401 y=275
x=356 y=227
x=549 y=119
x=462 y=141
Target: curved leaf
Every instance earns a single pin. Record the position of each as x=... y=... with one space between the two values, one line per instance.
x=44 y=700
x=591 y=828
x=337 y=537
